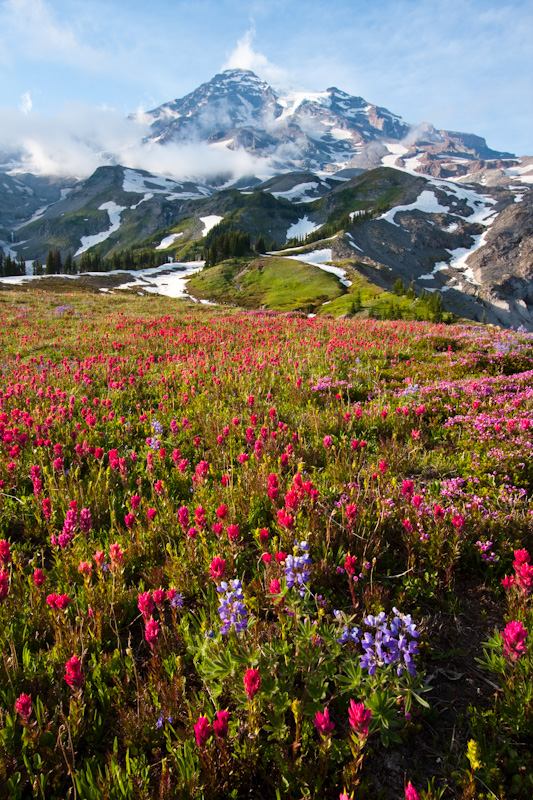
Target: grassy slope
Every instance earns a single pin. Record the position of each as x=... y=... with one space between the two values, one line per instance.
x=274 y=283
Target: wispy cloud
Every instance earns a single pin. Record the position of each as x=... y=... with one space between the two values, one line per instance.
x=26 y=103
x=245 y=57
x=30 y=27
x=82 y=138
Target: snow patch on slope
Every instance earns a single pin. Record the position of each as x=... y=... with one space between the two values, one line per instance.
x=168 y=241
x=396 y=150
x=114 y=211
x=210 y=222
x=426 y=202
x=303 y=227
x=319 y=258
x=169 y=280
x=298 y=193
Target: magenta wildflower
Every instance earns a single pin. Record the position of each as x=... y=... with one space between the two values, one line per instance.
x=151 y=631
x=514 y=640
x=220 y=724
x=116 y=554
x=359 y=717
x=145 y=604
x=217 y=568
x=73 y=673
x=252 y=682
x=4 y=585
x=411 y=793
x=23 y=706
x=38 y=577
x=5 y=553
x=202 y=731
x=323 y=723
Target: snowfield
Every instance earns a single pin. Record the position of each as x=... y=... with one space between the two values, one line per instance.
x=319 y=258
x=114 y=211
x=302 y=228
x=168 y=241
x=210 y=222
x=426 y=202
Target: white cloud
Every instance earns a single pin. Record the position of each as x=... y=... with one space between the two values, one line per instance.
x=245 y=57
x=26 y=104
x=83 y=138
x=39 y=33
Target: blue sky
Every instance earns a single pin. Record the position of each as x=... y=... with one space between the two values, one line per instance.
x=464 y=66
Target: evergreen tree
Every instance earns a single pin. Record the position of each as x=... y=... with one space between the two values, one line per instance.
x=58 y=264
x=398 y=288
x=260 y=246
x=49 y=263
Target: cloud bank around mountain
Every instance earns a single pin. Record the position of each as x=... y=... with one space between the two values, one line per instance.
x=81 y=138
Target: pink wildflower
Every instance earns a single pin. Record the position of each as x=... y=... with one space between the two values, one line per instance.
x=220 y=724
x=202 y=731
x=217 y=568
x=233 y=532
x=5 y=553
x=508 y=581
x=73 y=673
x=159 y=596
x=116 y=554
x=323 y=723
x=23 y=706
x=252 y=682
x=524 y=578
x=4 y=585
x=151 y=631
x=129 y=520
x=359 y=717
x=145 y=604
x=411 y=793
x=514 y=640
x=38 y=577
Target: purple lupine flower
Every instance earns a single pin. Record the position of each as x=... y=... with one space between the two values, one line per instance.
x=348 y=635
x=157 y=427
x=390 y=645
x=296 y=572
x=232 y=611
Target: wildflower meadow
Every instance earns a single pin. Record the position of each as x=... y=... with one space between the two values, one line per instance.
x=257 y=555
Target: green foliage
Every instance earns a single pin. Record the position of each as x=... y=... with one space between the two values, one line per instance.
x=220 y=247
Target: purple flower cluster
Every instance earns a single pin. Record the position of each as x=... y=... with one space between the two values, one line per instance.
x=390 y=644
x=349 y=635
x=484 y=547
x=296 y=572
x=232 y=611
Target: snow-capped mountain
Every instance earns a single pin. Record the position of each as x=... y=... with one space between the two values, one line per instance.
x=435 y=207
x=321 y=131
